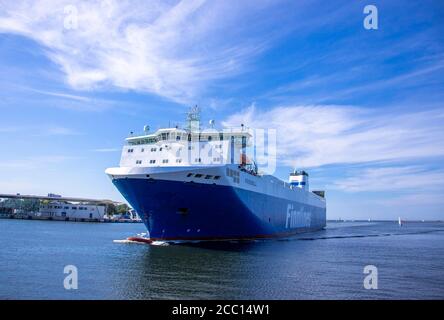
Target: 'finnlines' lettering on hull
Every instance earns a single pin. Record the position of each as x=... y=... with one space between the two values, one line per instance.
x=297 y=218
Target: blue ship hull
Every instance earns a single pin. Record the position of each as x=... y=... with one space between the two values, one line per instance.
x=176 y=210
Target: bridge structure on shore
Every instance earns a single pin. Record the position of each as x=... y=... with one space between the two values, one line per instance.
x=59 y=198
x=53 y=206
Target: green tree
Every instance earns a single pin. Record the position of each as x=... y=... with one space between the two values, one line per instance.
x=110 y=209
x=122 y=208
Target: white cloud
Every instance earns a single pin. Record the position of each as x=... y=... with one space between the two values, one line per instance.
x=407 y=178
x=107 y=150
x=8 y=129
x=415 y=199
x=64 y=95
x=313 y=136
x=35 y=162
x=40 y=130
x=59 y=131
x=173 y=49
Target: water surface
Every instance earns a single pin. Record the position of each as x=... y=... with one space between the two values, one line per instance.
x=323 y=265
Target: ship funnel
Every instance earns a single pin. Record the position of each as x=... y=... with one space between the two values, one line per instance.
x=299 y=179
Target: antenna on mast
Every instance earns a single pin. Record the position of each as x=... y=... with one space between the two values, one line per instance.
x=193 y=114
x=193 y=118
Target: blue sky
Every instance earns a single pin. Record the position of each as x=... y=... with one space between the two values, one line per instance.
x=360 y=109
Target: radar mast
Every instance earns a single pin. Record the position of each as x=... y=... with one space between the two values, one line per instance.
x=193 y=118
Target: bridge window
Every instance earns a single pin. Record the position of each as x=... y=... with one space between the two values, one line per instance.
x=165 y=135
x=198 y=175
x=165 y=161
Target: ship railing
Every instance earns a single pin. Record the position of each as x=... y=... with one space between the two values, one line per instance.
x=238 y=129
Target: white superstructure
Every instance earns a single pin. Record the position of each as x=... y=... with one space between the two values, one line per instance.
x=299 y=179
x=174 y=147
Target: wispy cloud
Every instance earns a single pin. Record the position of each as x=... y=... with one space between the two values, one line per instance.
x=40 y=130
x=34 y=162
x=313 y=136
x=421 y=199
x=354 y=80
x=107 y=150
x=59 y=131
x=393 y=178
x=404 y=80
x=8 y=129
x=64 y=95
x=172 y=50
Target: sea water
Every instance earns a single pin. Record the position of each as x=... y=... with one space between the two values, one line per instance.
x=328 y=264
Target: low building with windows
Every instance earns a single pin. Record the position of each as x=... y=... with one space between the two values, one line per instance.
x=54 y=207
x=71 y=212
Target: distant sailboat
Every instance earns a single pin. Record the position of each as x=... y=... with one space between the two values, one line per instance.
x=399 y=221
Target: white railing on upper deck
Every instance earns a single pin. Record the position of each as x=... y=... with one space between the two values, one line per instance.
x=241 y=129
x=156 y=136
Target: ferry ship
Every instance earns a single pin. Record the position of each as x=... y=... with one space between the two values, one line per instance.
x=199 y=184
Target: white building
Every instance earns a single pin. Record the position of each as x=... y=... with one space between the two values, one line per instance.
x=67 y=211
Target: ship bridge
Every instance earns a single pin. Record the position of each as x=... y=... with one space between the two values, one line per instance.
x=187 y=146
x=178 y=135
